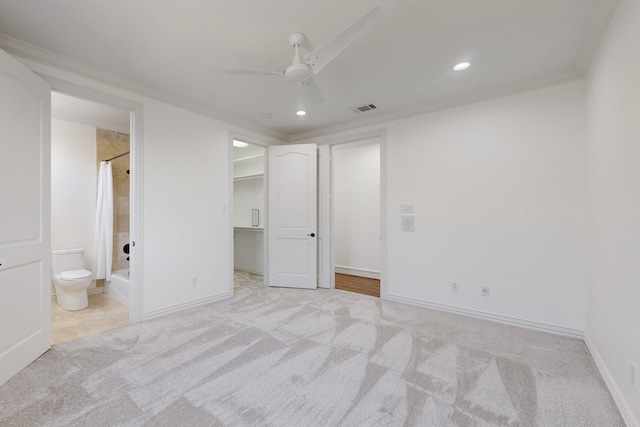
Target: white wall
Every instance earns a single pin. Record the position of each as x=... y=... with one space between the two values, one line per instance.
x=248 y=194
x=499 y=189
x=613 y=298
x=356 y=197
x=186 y=190
x=73 y=187
x=248 y=248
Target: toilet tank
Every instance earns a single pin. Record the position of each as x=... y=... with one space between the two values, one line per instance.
x=67 y=260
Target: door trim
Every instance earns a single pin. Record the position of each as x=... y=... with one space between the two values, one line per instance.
x=381 y=134
x=230 y=213
x=326 y=273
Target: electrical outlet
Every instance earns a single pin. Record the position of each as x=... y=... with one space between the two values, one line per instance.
x=486 y=291
x=634 y=375
x=194 y=282
x=455 y=286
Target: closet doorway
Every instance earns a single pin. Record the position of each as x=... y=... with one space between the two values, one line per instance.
x=248 y=214
x=356 y=215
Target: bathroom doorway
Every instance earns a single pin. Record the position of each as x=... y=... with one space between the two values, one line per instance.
x=83 y=133
x=248 y=214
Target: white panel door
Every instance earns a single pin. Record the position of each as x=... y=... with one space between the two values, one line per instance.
x=325 y=263
x=25 y=257
x=292 y=216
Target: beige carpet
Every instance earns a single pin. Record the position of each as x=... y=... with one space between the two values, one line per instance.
x=282 y=357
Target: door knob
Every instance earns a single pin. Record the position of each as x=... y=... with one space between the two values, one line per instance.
x=312 y=235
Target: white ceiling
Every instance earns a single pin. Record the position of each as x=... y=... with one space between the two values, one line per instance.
x=89 y=113
x=402 y=63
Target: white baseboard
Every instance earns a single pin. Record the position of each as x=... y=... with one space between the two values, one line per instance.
x=179 y=307
x=90 y=291
x=507 y=320
x=351 y=271
x=248 y=269
x=625 y=411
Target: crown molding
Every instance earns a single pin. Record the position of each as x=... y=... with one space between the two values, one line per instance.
x=540 y=82
x=29 y=52
x=38 y=55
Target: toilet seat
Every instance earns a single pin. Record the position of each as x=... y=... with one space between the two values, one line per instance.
x=75 y=274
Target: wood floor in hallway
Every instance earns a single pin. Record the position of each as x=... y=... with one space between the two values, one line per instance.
x=360 y=285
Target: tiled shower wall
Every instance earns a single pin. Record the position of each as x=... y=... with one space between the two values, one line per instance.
x=111 y=144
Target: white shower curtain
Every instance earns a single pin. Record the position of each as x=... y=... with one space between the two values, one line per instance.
x=103 y=243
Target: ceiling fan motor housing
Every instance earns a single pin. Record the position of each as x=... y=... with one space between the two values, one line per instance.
x=298 y=72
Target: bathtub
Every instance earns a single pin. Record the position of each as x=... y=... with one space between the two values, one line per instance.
x=118 y=287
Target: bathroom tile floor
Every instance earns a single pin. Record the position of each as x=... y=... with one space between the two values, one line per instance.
x=102 y=314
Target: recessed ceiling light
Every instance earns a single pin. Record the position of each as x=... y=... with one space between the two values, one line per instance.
x=239 y=144
x=301 y=113
x=462 y=66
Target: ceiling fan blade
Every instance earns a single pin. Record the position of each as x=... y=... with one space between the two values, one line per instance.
x=241 y=71
x=321 y=56
x=311 y=91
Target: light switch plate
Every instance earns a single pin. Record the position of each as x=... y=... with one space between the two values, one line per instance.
x=407 y=208
x=407 y=223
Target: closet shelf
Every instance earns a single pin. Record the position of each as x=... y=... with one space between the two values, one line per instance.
x=248 y=158
x=249 y=228
x=243 y=177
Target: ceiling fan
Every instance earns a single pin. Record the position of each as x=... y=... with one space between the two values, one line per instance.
x=302 y=71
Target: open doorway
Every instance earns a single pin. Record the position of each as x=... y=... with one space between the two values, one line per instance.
x=356 y=216
x=355 y=188
x=84 y=133
x=248 y=214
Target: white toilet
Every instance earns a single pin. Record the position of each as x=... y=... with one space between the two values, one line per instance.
x=70 y=278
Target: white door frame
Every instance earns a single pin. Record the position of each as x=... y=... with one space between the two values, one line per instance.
x=136 y=189
x=230 y=204
x=326 y=277
x=381 y=134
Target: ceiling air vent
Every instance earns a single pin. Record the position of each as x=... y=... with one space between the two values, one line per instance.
x=363 y=108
